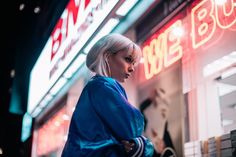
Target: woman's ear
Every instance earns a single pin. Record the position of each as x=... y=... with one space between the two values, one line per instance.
x=106 y=58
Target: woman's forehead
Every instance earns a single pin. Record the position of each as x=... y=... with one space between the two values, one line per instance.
x=134 y=52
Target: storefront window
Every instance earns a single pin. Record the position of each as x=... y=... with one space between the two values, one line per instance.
x=202 y=37
x=227 y=97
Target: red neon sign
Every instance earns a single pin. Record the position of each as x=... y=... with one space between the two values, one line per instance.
x=67 y=23
x=162 y=51
x=78 y=21
x=207 y=18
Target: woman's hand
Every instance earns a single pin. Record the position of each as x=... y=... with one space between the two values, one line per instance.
x=129 y=146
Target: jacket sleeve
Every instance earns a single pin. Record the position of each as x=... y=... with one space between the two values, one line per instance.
x=123 y=120
x=143 y=147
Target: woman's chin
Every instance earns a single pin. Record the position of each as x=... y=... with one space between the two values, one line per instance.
x=121 y=80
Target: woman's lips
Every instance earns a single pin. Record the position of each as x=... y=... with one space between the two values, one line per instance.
x=127 y=75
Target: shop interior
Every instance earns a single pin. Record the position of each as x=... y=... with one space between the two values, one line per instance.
x=227 y=98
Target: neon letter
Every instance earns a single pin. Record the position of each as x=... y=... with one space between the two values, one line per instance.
x=175 y=50
x=226 y=14
x=203 y=23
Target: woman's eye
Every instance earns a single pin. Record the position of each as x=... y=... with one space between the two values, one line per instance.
x=128 y=59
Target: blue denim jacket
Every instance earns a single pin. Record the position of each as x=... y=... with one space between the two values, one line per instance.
x=103 y=117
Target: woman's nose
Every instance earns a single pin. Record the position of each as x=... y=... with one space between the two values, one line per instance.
x=131 y=68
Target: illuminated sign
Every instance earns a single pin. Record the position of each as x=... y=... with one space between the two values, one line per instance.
x=80 y=19
x=76 y=25
x=207 y=19
x=207 y=15
x=162 y=51
x=77 y=19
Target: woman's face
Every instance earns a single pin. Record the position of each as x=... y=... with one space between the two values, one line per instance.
x=122 y=64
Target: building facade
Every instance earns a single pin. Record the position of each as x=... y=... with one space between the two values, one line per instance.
x=188 y=59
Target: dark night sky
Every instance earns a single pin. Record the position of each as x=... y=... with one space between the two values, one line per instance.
x=23 y=35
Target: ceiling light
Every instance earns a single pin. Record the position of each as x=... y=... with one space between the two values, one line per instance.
x=75 y=66
x=45 y=100
x=12 y=73
x=1 y=151
x=22 y=6
x=59 y=84
x=36 y=112
x=125 y=7
x=37 y=10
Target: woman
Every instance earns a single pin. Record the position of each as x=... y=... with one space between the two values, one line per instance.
x=104 y=123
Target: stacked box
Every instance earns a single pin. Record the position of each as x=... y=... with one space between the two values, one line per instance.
x=204 y=148
x=223 y=146
x=192 y=149
x=197 y=149
x=188 y=149
x=233 y=138
x=228 y=152
x=228 y=144
x=225 y=141
x=218 y=142
x=233 y=142
x=213 y=144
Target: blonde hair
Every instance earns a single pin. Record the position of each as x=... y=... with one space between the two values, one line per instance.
x=97 y=58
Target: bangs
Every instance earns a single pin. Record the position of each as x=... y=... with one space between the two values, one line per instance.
x=135 y=52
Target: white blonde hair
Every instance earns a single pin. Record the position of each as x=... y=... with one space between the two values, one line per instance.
x=97 y=58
